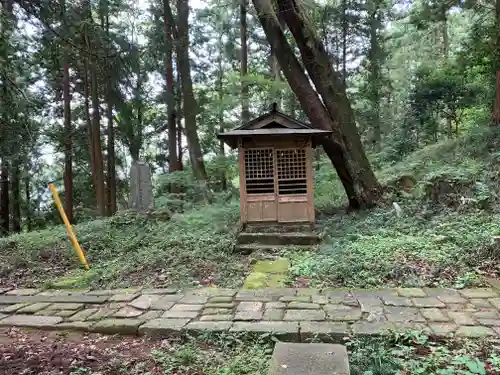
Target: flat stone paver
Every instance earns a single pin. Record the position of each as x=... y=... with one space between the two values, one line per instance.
x=309 y=359
x=292 y=314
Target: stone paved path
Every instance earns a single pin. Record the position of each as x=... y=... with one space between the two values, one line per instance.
x=290 y=314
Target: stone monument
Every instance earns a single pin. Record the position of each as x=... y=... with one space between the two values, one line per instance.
x=141 y=187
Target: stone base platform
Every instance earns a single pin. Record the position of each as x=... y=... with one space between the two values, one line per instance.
x=297 y=315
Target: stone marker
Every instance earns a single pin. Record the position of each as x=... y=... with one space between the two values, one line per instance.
x=141 y=187
x=309 y=359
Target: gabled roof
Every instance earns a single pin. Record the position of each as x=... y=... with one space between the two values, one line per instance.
x=273 y=123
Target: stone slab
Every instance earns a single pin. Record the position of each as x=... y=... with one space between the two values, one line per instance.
x=160 y=291
x=200 y=327
x=372 y=329
x=324 y=331
x=75 y=326
x=86 y=299
x=428 y=302
x=23 y=292
x=284 y=330
x=180 y=314
x=248 y=315
x=163 y=327
x=122 y=326
x=128 y=312
x=32 y=321
x=479 y=293
x=67 y=306
x=308 y=315
x=216 y=318
x=411 y=292
x=473 y=331
x=303 y=306
x=145 y=301
x=33 y=308
x=309 y=359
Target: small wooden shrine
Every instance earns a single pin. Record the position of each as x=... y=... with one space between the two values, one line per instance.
x=276 y=174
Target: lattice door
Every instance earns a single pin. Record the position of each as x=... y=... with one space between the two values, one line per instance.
x=292 y=171
x=259 y=171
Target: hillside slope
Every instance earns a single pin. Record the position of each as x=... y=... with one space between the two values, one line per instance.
x=440 y=234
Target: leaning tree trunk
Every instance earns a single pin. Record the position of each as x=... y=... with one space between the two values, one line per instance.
x=348 y=158
x=190 y=105
x=333 y=92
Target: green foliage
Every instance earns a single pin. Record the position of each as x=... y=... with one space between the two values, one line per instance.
x=415 y=352
x=131 y=249
x=447 y=241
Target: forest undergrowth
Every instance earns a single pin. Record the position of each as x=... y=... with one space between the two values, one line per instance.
x=436 y=227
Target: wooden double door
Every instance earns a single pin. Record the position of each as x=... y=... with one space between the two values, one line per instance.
x=277 y=185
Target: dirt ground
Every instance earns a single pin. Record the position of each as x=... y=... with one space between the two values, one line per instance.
x=30 y=352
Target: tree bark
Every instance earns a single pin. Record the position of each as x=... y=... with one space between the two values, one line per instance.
x=345 y=33
x=4 y=198
x=496 y=67
x=173 y=164
x=245 y=111
x=190 y=105
x=375 y=76
x=220 y=88
x=344 y=147
x=27 y=194
x=178 y=119
x=96 y=125
x=68 y=144
x=16 y=198
x=111 y=165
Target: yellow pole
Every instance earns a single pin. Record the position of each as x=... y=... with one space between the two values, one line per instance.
x=69 y=229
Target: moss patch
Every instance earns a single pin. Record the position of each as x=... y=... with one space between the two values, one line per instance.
x=268 y=274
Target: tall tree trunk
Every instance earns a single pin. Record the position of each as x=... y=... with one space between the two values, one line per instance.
x=4 y=198
x=27 y=197
x=178 y=119
x=96 y=125
x=110 y=94
x=245 y=111
x=190 y=105
x=173 y=164
x=220 y=88
x=16 y=197
x=68 y=144
x=446 y=53
x=374 y=79
x=496 y=66
x=276 y=71
x=345 y=33
x=344 y=148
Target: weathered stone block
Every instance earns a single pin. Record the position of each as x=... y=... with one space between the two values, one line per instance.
x=150 y=315
x=122 y=326
x=163 y=327
x=310 y=315
x=480 y=303
x=248 y=315
x=75 y=326
x=126 y=297
x=83 y=315
x=128 y=312
x=13 y=308
x=23 y=292
x=486 y=314
x=372 y=329
x=144 y=301
x=275 y=305
x=443 y=329
x=490 y=322
x=67 y=306
x=102 y=313
x=324 y=331
x=220 y=305
x=397 y=301
x=214 y=318
x=462 y=318
x=309 y=359
x=320 y=299
x=31 y=309
x=475 y=331
x=171 y=290
x=110 y=292
x=220 y=299
x=495 y=302
x=479 y=293
x=295 y=299
x=403 y=314
x=212 y=311
x=411 y=292
x=250 y=306
x=193 y=299
x=182 y=307
x=428 y=302
x=283 y=330
x=32 y=321
x=434 y=315
x=202 y=327
x=273 y=314
x=303 y=306
x=180 y=314
x=352 y=314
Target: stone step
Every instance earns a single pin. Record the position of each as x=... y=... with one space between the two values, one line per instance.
x=309 y=359
x=282 y=239
x=279 y=228
x=250 y=248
